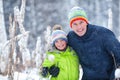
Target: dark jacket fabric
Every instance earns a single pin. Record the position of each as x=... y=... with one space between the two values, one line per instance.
x=95 y=50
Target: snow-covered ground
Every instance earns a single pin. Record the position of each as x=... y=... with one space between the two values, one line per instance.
x=32 y=74
x=3 y=77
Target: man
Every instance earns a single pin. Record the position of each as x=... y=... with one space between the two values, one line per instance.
x=97 y=47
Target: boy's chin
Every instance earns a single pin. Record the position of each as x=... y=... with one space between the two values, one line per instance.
x=63 y=49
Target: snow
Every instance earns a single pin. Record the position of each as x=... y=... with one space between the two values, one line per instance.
x=24 y=76
x=31 y=74
x=3 y=77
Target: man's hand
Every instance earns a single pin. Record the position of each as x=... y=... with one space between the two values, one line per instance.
x=117 y=73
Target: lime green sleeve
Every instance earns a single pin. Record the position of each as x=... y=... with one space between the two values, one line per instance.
x=47 y=62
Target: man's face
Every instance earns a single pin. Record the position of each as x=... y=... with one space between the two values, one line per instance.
x=79 y=27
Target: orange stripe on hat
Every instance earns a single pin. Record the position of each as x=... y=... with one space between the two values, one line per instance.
x=77 y=18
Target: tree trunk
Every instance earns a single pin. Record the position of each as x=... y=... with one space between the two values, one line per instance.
x=115 y=14
x=3 y=39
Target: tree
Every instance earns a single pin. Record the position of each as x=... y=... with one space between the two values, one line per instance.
x=115 y=16
x=3 y=39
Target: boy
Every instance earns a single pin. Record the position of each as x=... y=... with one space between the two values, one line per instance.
x=61 y=62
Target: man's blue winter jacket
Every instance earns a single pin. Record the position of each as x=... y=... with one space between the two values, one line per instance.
x=95 y=51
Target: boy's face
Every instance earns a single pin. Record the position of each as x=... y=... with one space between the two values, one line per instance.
x=79 y=27
x=60 y=44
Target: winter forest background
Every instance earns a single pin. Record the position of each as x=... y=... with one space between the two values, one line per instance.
x=25 y=26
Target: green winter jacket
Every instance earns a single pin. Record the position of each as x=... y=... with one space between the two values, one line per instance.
x=68 y=63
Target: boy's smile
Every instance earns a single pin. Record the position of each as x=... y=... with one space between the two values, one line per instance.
x=60 y=44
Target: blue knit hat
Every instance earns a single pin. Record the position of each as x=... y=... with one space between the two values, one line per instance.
x=58 y=34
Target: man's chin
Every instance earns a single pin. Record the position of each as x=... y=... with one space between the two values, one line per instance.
x=80 y=34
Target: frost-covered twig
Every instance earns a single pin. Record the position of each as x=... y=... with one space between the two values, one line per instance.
x=22 y=9
x=38 y=46
x=48 y=38
x=23 y=38
x=38 y=53
x=12 y=30
x=18 y=37
x=18 y=19
x=19 y=16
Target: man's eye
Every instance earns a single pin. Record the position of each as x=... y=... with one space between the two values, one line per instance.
x=81 y=22
x=74 y=24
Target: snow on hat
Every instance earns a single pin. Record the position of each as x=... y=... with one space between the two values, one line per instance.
x=77 y=13
x=58 y=34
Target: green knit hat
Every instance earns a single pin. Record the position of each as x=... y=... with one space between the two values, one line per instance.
x=77 y=13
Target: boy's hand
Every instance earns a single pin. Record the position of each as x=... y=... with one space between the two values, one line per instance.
x=54 y=71
x=44 y=71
